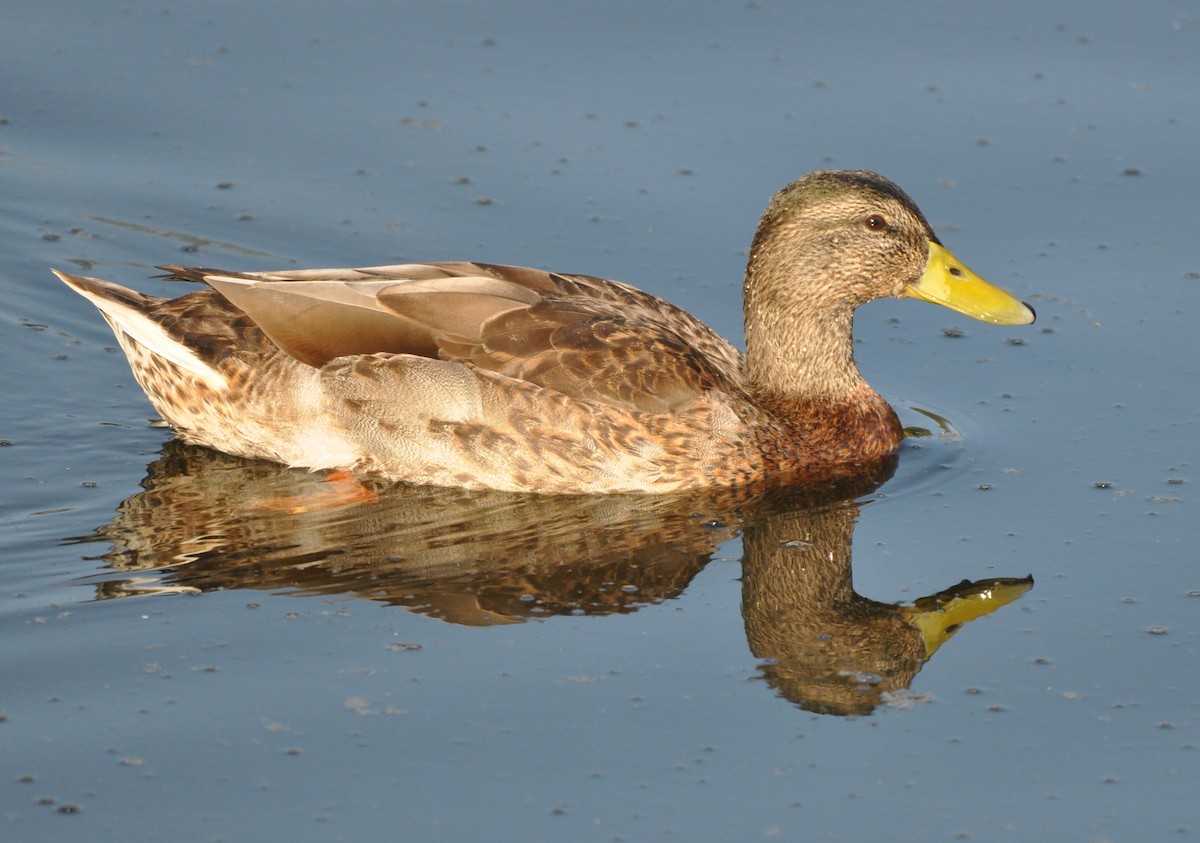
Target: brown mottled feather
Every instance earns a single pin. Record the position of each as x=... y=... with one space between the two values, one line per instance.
x=592 y=351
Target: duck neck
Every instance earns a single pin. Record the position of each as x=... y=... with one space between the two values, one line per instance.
x=800 y=369
x=800 y=359
x=800 y=351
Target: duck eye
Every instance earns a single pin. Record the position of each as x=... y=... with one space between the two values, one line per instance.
x=875 y=222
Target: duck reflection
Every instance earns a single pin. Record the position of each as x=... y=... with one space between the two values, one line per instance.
x=828 y=648
x=208 y=521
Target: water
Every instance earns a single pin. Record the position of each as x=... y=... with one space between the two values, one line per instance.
x=180 y=663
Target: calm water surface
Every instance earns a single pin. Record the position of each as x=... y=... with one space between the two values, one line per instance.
x=181 y=661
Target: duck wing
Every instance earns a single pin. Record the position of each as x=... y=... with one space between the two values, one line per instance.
x=583 y=337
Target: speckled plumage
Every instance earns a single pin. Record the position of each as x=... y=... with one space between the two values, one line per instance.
x=486 y=376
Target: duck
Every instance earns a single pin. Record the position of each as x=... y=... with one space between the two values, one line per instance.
x=488 y=376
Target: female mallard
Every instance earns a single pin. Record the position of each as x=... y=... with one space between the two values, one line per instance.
x=501 y=377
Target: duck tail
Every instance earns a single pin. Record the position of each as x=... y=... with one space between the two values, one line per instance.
x=106 y=295
x=130 y=315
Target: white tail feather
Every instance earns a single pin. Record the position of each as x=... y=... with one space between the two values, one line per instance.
x=129 y=323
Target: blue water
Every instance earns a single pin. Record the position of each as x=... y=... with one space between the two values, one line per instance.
x=176 y=664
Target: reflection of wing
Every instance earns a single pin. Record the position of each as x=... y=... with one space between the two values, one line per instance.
x=209 y=521
x=583 y=337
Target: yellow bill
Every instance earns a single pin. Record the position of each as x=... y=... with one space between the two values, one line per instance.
x=948 y=282
x=941 y=615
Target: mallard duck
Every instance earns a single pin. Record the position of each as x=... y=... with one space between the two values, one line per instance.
x=502 y=377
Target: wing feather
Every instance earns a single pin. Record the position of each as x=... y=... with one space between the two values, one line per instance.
x=584 y=337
